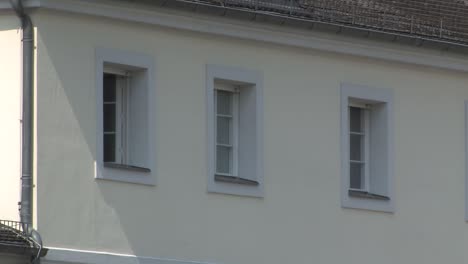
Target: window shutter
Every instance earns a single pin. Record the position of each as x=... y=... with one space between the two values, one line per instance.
x=379 y=147
x=248 y=134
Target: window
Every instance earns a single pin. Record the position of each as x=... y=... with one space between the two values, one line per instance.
x=115 y=96
x=235 y=131
x=227 y=130
x=358 y=147
x=367 y=148
x=124 y=89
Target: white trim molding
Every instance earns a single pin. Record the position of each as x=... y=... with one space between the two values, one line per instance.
x=260 y=32
x=73 y=256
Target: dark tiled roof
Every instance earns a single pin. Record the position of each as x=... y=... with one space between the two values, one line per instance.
x=440 y=20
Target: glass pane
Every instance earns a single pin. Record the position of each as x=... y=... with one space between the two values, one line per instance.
x=356 y=148
x=109 y=117
x=356 y=176
x=223 y=130
x=355 y=119
x=109 y=148
x=109 y=87
x=223 y=159
x=224 y=102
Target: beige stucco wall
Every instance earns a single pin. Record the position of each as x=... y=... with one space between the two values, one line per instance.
x=10 y=91
x=300 y=219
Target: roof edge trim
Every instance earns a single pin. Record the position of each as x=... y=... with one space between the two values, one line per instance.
x=264 y=33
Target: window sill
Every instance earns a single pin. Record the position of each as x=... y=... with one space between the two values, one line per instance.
x=125 y=167
x=234 y=179
x=125 y=173
x=367 y=195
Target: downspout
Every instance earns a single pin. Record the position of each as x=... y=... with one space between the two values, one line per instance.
x=26 y=203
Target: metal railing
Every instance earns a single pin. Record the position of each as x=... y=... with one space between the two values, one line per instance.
x=14 y=233
x=445 y=20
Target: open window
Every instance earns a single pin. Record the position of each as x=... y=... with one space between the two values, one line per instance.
x=235 y=131
x=367 y=147
x=124 y=89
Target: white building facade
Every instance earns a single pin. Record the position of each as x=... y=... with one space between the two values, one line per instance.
x=169 y=137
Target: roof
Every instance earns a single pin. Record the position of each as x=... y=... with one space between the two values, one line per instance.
x=436 y=20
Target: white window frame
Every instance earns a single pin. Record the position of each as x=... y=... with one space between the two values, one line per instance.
x=121 y=63
x=121 y=102
x=366 y=149
x=234 y=130
x=237 y=186
x=369 y=98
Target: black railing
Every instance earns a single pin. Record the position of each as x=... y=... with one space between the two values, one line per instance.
x=13 y=233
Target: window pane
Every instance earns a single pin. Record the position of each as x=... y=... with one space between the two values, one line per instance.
x=223 y=159
x=224 y=102
x=109 y=87
x=223 y=130
x=356 y=175
x=109 y=117
x=356 y=148
x=109 y=148
x=355 y=119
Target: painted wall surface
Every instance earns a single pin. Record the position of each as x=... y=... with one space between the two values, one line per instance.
x=10 y=114
x=300 y=219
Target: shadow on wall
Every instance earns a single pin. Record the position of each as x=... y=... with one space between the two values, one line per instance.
x=74 y=209
x=77 y=211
